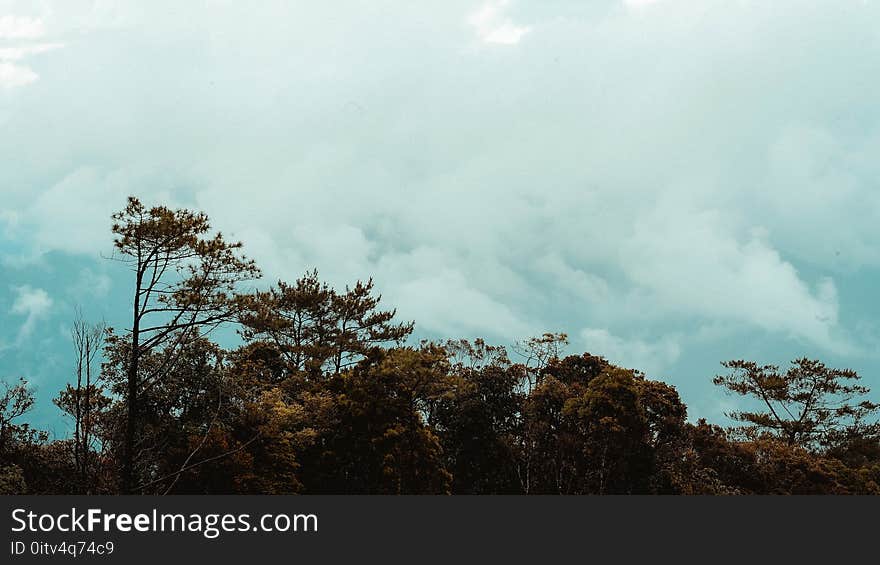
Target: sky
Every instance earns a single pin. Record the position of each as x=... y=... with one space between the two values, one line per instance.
x=672 y=183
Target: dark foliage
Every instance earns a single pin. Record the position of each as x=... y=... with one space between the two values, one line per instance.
x=324 y=396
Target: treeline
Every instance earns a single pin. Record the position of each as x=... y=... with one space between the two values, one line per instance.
x=324 y=396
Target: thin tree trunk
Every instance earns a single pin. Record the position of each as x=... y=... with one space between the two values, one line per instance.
x=128 y=485
x=86 y=431
x=77 y=434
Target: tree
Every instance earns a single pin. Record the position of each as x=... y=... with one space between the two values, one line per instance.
x=544 y=462
x=612 y=428
x=184 y=286
x=549 y=447
x=291 y=420
x=381 y=443
x=316 y=328
x=809 y=405
x=12 y=480
x=18 y=441
x=324 y=397
x=84 y=400
x=538 y=353
x=590 y=427
x=477 y=418
x=187 y=419
x=667 y=429
x=15 y=401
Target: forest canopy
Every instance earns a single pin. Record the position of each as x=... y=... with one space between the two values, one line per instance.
x=327 y=393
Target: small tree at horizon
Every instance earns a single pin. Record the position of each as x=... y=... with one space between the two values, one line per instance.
x=808 y=405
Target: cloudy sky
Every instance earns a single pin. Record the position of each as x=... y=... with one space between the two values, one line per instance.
x=671 y=182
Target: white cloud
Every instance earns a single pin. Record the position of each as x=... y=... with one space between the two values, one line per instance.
x=20 y=52
x=427 y=299
x=10 y=220
x=91 y=284
x=635 y=174
x=640 y=3
x=33 y=303
x=581 y=285
x=650 y=357
x=820 y=180
x=689 y=262
x=12 y=76
x=20 y=27
x=13 y=73
x=86 y=193
x=449 y=299
x=492 y=26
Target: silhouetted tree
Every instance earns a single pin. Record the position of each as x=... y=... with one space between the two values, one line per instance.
x=808 y=405
x=381 y=443
x=324 y=396
x=477 y=418
x=184 y=285
x=318 y=329
x=84 y=400
x=18 y=440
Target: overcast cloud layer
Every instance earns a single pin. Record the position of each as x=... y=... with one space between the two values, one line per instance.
x=671 y=182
